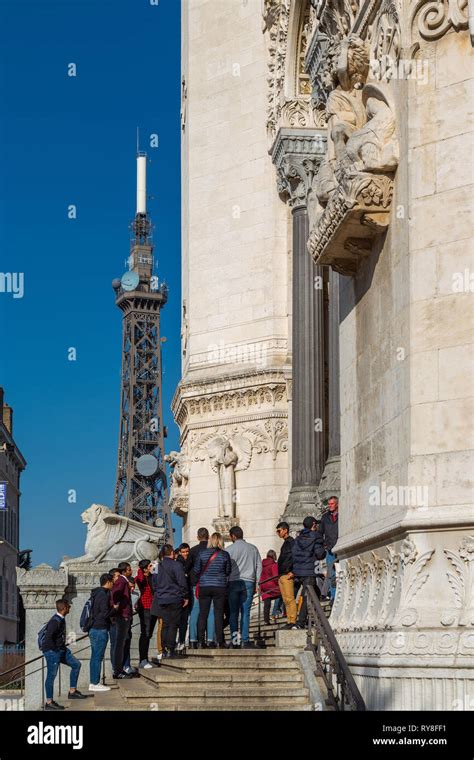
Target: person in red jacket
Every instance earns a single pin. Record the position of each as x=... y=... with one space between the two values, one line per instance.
x=269 y=586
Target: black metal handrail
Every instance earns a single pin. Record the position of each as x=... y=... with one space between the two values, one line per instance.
x=331 y=664
x=258 y=603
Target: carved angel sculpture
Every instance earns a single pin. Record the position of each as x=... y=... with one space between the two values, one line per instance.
x=374 y=148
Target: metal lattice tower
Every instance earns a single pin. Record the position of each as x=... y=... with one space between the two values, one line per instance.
x=141 y=491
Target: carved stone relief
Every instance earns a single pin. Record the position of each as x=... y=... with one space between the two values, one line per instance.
x=431 y=19
x=351 y=195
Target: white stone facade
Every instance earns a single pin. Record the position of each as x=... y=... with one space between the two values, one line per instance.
x=235 y=277
x=390 y=210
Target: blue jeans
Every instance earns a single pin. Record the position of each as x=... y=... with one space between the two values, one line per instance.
x=194 y=617
x=277 y=605
x=98 y=638
x=53 y=660
x=331 y=571
x=240 y=600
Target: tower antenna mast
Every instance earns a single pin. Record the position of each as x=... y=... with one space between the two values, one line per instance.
x=141 y=491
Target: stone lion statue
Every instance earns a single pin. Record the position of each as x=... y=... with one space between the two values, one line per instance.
x=112 y=538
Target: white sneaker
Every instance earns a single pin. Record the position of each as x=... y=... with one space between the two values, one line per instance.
x=130 y=670
x=98 y=687
x=180 y=647
x=145 y=664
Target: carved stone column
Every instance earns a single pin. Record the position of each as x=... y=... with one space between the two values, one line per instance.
x=296 y=154
x=39 y=588
x=330 y=484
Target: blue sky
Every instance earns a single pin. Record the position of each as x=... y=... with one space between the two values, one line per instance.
x=71 y=140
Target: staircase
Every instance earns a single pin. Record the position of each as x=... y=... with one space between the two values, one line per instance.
x=266 y=679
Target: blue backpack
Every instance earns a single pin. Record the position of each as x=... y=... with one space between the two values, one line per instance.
x=85 y=621
x=42 y=634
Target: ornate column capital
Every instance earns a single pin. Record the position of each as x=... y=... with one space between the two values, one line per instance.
x=42 y=585
x=297 y=155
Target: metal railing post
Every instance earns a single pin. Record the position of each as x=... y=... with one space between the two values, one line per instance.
x=42 y=682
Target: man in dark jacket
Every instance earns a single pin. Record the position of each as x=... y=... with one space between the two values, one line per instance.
x=101 y=612
x=56 y=652
x=170 y=596
x=329 y=530
x=122 y=600
x=307 y=549
x=203 y=538
x=286 y=578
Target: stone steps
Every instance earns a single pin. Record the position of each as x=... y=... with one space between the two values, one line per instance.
x=223 y=676
x=269 y=679
x=251 y=663
x=138 y=688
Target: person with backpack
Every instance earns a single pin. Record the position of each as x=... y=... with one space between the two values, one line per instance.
x=143 y=607
x=52 y=642
x=170 y=596
x=307 y=549
x=212 y=568
x=98 y=626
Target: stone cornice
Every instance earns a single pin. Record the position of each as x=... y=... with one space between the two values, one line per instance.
x=297 y=154
x=239 y=420
x=250 y=392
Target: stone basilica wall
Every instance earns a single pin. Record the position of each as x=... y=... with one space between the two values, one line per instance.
x=405 y=603
x=235 y=280
x=377 y=170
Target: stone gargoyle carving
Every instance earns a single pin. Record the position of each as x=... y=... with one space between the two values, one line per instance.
x=180 y=465
x=350 y=198
x=113 y=538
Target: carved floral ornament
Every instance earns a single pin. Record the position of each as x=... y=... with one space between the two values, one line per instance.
x=289 y=102
x=269 y=437
x=231 y=445
x=381 y=590
x=236 y=399
x=433 y=18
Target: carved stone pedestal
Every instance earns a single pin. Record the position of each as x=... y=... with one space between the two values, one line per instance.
x=40 y=588
x=301 y=503
x=224 y=524
x=355 y=215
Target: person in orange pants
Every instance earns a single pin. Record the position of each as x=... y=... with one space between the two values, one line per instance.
x=285 y=571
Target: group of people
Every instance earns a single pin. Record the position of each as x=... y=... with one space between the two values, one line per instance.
x=194 y=594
